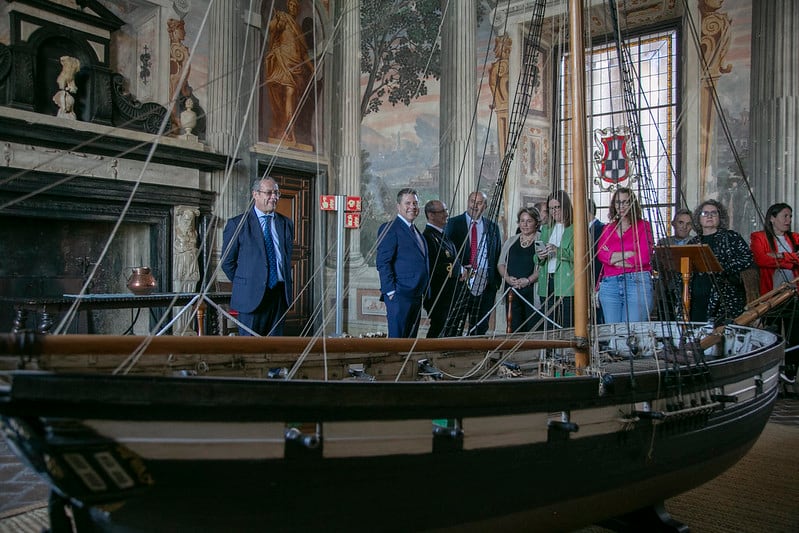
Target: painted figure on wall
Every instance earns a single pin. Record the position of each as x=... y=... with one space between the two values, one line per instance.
x=288 y=68
x=498 y=79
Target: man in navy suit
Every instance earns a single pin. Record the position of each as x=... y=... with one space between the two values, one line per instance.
x=446 y=273
x=402 y=266
x=481 y=259
x=595 y=227
x=256 y=256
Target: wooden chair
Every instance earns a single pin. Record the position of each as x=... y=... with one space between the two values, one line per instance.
x=751 y=281
x=226 y=326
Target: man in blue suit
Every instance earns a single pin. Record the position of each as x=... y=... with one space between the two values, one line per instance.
x=478 y=242
x=403 y=267
x=256 y=256
x=595 y=228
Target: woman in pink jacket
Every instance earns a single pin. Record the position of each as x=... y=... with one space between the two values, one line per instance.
x=776 y=251
x=625 y=249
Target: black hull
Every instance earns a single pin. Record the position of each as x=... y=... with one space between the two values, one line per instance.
x=567 y=484
x=548 y=454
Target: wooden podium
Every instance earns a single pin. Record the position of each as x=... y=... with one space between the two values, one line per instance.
x=687 y=258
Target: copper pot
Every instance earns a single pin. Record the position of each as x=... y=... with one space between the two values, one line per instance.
x=141 y=281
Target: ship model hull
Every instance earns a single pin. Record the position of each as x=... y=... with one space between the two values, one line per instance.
x=164 y=453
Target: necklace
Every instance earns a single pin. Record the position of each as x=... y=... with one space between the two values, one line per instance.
x=525 y=242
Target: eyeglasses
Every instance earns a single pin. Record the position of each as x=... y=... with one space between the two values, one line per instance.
x=434 y=211
x=276 y=194
x=709 y=214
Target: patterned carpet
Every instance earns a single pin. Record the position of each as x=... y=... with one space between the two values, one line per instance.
x=759 y=494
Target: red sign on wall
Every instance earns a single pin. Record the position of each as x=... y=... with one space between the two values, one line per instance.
x=327 y=202
x=352 y=220
x=353 y=203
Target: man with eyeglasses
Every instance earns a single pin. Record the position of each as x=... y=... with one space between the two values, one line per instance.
x=478 y=242
x=256 y=257
x=446 y=273
x=721 y=296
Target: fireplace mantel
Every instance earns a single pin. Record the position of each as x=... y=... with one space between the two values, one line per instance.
x=26 y=127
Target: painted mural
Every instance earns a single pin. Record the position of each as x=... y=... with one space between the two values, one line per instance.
x=401 y=145
x=725 y=181
x=401 y=142
x=288 y=100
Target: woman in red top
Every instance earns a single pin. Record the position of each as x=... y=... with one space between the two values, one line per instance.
x=775 y=250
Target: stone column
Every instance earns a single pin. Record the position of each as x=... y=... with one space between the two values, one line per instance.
x=458 y=93
x=228 y=25
x=774 y=112
x=346 y=127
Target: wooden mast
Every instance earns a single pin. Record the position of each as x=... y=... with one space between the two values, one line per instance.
x=578 y=149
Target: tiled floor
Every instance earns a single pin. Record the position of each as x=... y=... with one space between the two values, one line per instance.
x=19 y=485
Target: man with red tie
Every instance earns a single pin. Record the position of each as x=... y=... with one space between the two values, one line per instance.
x=256 y=256
x=478 y=242
x=403 y=267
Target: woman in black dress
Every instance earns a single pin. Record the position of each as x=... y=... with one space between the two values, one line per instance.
x=719 y=297
x=517 y=266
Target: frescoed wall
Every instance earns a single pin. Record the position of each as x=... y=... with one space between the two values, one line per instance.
x=289 y=99
x=401 y=142
x=725 y=178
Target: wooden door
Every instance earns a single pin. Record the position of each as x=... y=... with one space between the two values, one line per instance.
x=296 y=202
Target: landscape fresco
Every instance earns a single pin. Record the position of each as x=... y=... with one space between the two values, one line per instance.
x=400 y=143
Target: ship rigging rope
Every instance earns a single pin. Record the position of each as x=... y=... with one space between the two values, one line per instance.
x=722 y=115
x=526 y=83
x=492 y=213
x=646 y=186
x=632 y=87
x=72 y=311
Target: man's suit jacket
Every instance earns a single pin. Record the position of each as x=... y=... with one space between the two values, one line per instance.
x=244 y=259
x=595 y=228
x=445 y=269
x=457 y=231
x=402 y=265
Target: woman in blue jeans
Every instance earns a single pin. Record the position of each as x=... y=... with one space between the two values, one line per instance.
x=625 y=249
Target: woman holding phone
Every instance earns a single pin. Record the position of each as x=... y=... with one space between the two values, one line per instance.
x=556 y=261
x=517 y=266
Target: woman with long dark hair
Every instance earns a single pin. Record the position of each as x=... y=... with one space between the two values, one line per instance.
x=556 y=261
x=625 y=251
x=776 y=251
